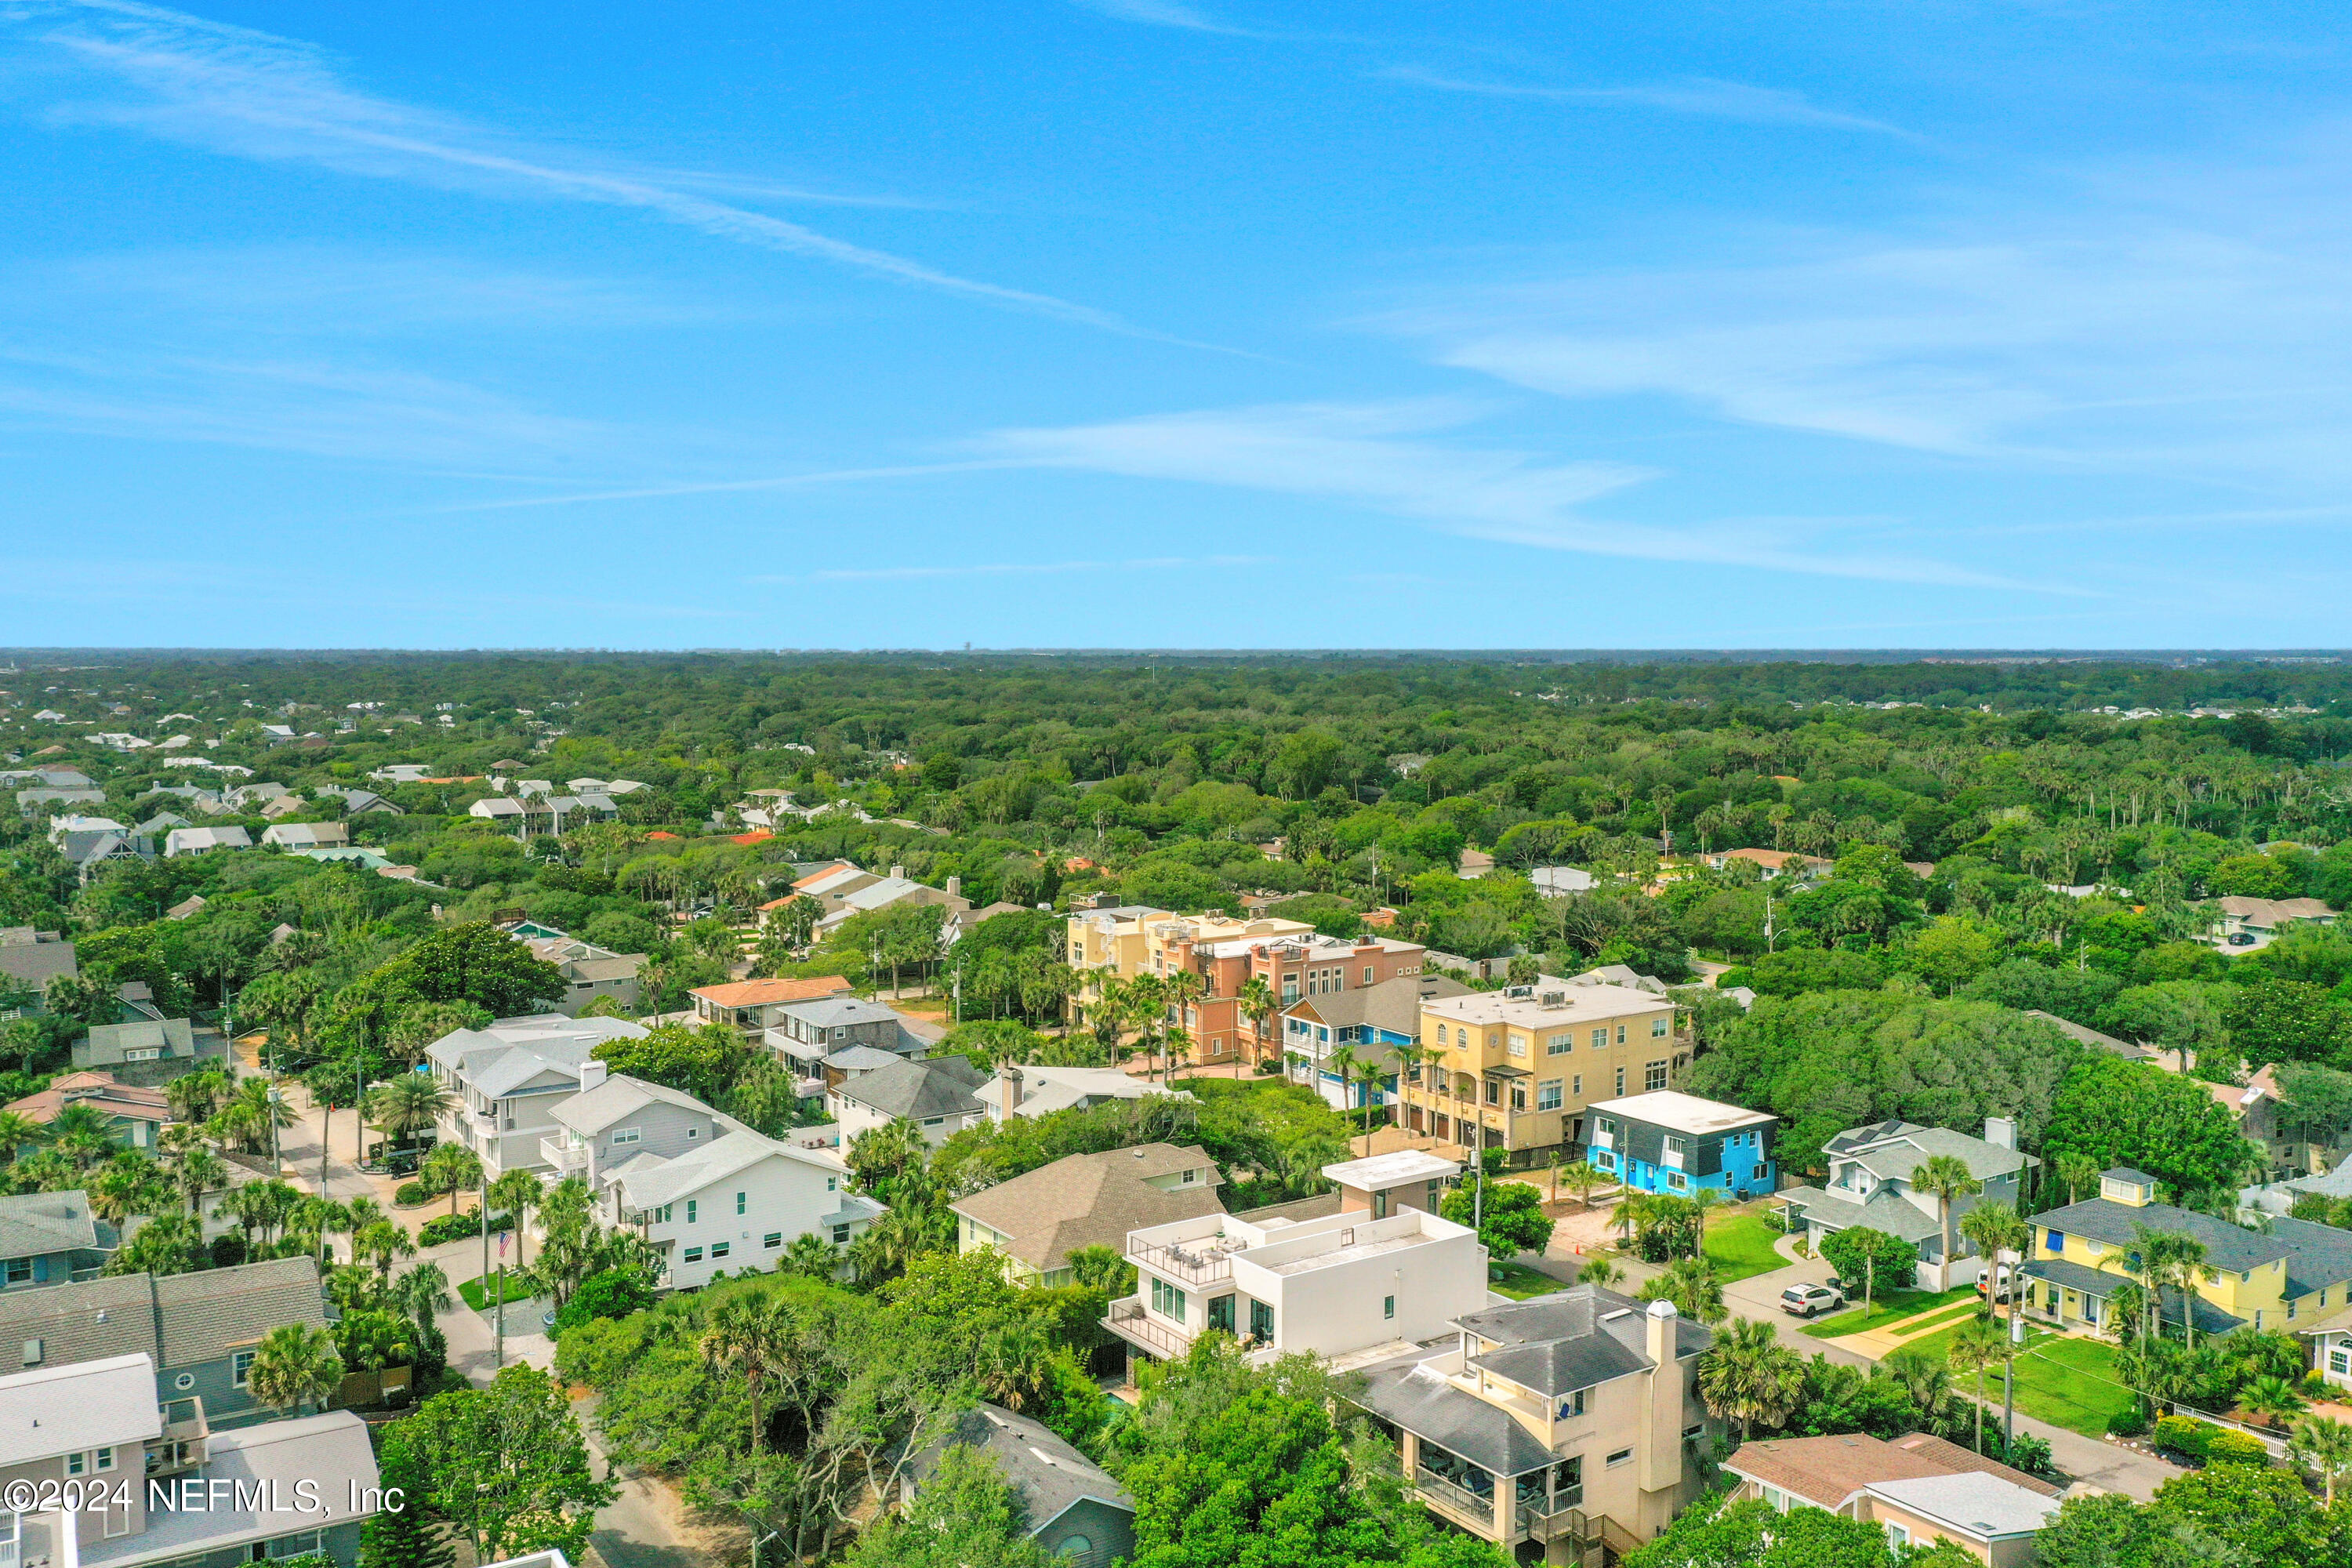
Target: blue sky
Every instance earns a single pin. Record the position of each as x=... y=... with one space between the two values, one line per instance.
x=1139 y=322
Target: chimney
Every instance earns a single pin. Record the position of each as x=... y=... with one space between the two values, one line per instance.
x=592 y=1074
x=898 y=870
x=1659 y=1321
x=955 y=887
x=2001 y=1132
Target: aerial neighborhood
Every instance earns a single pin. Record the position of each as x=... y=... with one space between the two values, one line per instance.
x=846 y=1107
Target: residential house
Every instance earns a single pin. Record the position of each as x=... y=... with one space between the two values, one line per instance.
x=1033 y=1090
x=829 y=884
x=1870 y=1184
x=1370 y=1020
x=2242 y=922
x=187 y=1496
x=589 y=971
x=1558 y=1428
x=1516 y=1068
x=358 y=801
x=1668 y=1141
x=47 y=1238
x=758 y=1003
x=160 y=823
x=1920 y=1488
x=401 y=773
x=203 y=840
x=2092 y=1038
x=707 y=1192
x=1562 y=881
x=1774 y=863
x=935 y=1096
x=30 y=958
x=1338 y=1285
x=91 y=851
x=308 y=835
x=257 y=796
x=198 y=1331
x=74 y=822
x=1039 y=1218
x=29 y=801
x=138 y=1040
x=1077 y=1513
x=193 y=904
x=893 y=890
x=135 y=1116
x=2295 y=1272
x=505 y=1081
x=864 y=1035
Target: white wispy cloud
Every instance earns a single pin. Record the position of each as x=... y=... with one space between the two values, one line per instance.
x=1387 y=457
x=1693 y=95
x=1160 y=14
x=251 y=94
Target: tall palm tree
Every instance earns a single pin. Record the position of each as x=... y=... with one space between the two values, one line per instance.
x=2075 y=1171
x=1701 y=1200
x=1633 y=1211
x=811 y=1256
x=18 y=1133
x=1977 y=1346
x=1994 y=1229
x=195 y=1096
x=1342 y=1060
x=1259 y=1006
x=452 y=1168
x=1692 y=1285
x=198 y=1171
x=518 y=1193
x=82 y=1134
x=2147 y=1256
x=2184 y=1259
x=422 y=1293
x=382 y=1242
x=1748 y=1376
x=744 y=1335
x=1947 y=1179
x=1184 y=988
x=408 y=1105
x=1579 y=1174
x=295 y=1365
x=2324 y=1448
x=1147 y=1012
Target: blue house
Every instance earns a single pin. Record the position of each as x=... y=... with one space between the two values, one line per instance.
x=1371 y=1021
x=1667 y=1142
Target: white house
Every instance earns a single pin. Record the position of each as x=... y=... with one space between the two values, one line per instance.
x=1339 y=1286
x=508 y=1079
x=936 y=1095
x=1028 y=1089
x=203 y=840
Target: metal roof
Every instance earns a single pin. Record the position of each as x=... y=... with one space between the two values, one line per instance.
x=59 y=1410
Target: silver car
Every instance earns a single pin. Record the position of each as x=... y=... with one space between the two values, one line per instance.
x=1804 y=1301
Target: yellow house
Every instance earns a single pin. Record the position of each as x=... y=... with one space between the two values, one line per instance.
x=1515 y=1068
x=2295 y=1273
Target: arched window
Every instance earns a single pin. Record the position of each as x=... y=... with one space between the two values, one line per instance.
x=1075 y=1546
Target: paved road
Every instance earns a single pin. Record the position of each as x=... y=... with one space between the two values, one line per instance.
x=2107 y=1466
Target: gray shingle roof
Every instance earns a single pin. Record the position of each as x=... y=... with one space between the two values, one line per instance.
x=35 y=1223
x=1557 y=1366
x=1894 y=1158
x=1882 y=1210
x=90 y=1322
x=2323 y=1254
x=1051 y=1476
x=2102 y=1283
x=1420 y=1400
x=942 y=1087
x=200 y=1315
x=2226 y=1245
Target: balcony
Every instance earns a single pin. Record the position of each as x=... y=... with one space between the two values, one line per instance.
x=1456 y=1503
x=1565 y=1521
x=558 y=1151
x=1128 y=1320
x=181 y=1444
x=1205 y=1262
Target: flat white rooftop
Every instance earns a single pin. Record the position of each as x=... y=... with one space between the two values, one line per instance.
x=1384 y=1171
x=1682 y=1113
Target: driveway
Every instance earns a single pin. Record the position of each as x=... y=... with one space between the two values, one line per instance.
x=2107 y=1466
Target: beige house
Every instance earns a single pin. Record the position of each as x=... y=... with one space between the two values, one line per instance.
x=1921 y=1488
x=1516 y=1068
x=1554 y=1427
x=1038 y=1220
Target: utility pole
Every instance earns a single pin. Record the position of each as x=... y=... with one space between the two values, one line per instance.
x=2009 y=1371
x=499 y=1353
x=486 y=1226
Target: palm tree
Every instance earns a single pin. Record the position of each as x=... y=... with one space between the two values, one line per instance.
x=2147 y=1256
x=422 y=1293
x=2324 y=1448
x=1146 y=1014
x=17 y=1133
x=1926 y=1381
x=82 y=1134
x=2184 y=1258
x=1947 y=1179
x=1259 y=1006
x=1632 y=1212
x=1579 y=1174
x=1184 y=987
x=1343 y=1060
x=2272 y=1397
x=745 y=1335
x=1599 y=1272
x=1977 y=1345
x=295 y=1365
x=130 y=1183
x=2074 y=1172
x=518 y=1193
x=1748 y=1376
x=452 y=1168
x=408 y=1105
x=195 y=1096
x=1994 y=1229
x=1701 y=1200
x=1016 y=1364
x=198 y=1171
x=382 y=1242
x=1690 y=1283
x=812 y=1257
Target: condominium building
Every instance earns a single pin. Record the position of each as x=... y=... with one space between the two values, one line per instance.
x=1378 y=1277
x=1554 y=1427
x=1515 y=1069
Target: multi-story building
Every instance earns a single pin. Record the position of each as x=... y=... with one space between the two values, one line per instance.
x=1553 y=1427
x=708 y=1192
x=1380 y=1275
x=2292 y=1273
x=826 y=1037
x=1369 y=1021
x=1225 y=954
x=759 y=1003
x=1668 y=1141
x=938 y=1096
x=1871 y=1185
x=117 y=1480
x=1038 y=1219
x=1516 y=1068
x=505 y=1081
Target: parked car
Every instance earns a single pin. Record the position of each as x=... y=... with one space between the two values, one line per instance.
x=2241 y=939
x=2000 y=1283
x=1804 y=1301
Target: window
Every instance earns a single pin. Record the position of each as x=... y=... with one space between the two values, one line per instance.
x=1896 y=1536
x=841 y=1235
x=2339 y=1361
x=739 y=1203
x=1776 y=1500
x=1548 y=1095
x=1676 y=1146
x=1388 y=1307
x=1658 y=1029
x=1518 y=1097
x=1602 y=1160
x=628 y=1134
x=691 y=1206
x=1518 y=1045
x=694 y=1255
x=1599 y=1039
x=1441 y=1033
x=1576 y=1086
x=240 y=1367
x=105 y=1458
x=142 y=1053
x=661 y=1214
x=1167 y=1300
x=840 y=1034
x=772 y=1240
x=1368 y=974
x=1653 y=1077
x=1676 y=1182
x=1621 y=1457
x=1571 y=1404
x=1621 y=1080
x=720 y=1249
x=185 y=1381
x=2054 y=1240
x=935 y=1121
x=1559 y=1045
x=20 y=1269
x=1190 y=1175
x=1494 y=1091
x=833 y=1184
x=77 y=1464
x=692 y=1133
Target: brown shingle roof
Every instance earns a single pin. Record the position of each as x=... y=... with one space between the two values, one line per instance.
x=1828 y=1470
x=1092 y=1200
x=100 y=1092
x=765 y=992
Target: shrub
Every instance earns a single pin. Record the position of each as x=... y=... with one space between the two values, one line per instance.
x=2185 y=1436
x=2027 y=1453
x=446 y=1228
x=613 y=1293
x=2224 y=1448
x=2130 y=1423
x=412 y=1195
x=228 y=1249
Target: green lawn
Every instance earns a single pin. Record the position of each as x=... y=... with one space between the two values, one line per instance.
x=1519 y=1282
x=478 y=1295
x=2065 y=1380
x=1888 y=1307
x=1742 y=1246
